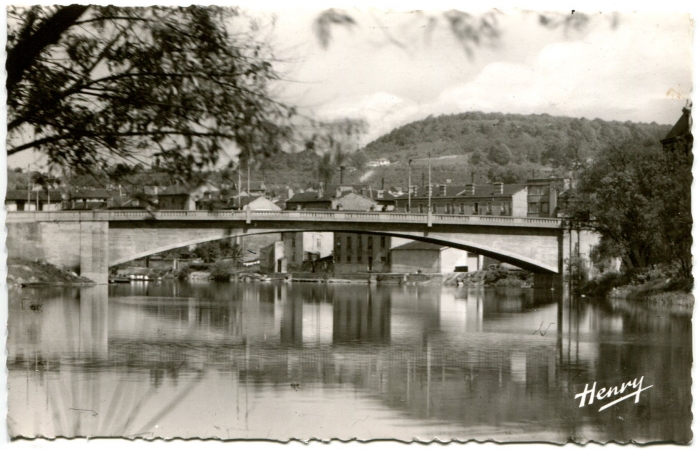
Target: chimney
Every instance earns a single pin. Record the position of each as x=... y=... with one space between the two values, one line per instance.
x=413 y=189
x=342 y=170
x=290 y=192
x=380 y=194
x=428 y=190
x=320 y=190
x=382 y=183
x=498 y=187
x=470 y=189
x=443 y=190
x=364 y=192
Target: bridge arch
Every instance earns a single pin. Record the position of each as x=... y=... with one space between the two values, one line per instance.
x=443 y=239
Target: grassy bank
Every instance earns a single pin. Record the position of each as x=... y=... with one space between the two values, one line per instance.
x=22 y=271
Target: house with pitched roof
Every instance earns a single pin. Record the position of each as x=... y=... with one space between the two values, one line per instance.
x=36 y=200
x=332 y=197
x=680 y=137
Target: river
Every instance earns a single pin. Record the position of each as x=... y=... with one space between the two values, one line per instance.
x=283 y=361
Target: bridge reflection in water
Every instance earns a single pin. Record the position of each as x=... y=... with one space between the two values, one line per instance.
x=281 y=361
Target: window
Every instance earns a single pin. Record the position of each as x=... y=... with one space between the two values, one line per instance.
x=461 y=208
x=349 y=258
x=382 y=242
x=504 y=208
x=294 y=242
x=359 y=258
x=349 y=243
x=538 y=190
x=370 y=242
x=476 y=209
x=407 y=208
x=488 y=208
x=448 y=208
x=434 y=208
x=544 y=207
x=383 y=259
x=337 y=257
x=533 y=207
x=421 y=208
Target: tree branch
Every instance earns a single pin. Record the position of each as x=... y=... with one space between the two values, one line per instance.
x=22 y=56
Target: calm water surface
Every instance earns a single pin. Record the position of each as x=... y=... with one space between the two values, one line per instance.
x=282 y=361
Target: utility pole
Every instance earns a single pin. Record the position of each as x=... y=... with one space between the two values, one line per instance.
x=29 y=189
x=239 y=183
x=248 y=177
x=430 y=186
x=409 y=184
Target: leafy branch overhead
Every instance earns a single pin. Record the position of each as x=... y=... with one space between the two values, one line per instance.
x=470 y=30
x=87 y=85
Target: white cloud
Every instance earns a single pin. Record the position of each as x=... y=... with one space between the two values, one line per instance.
x=612 y=74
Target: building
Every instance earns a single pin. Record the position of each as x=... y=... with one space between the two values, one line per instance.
x=425 y=257
x=379 y=162
x=332 y=197
x=543 y=196
x=680 y=137
x=175 y=197
x=24 y=200
x=353 y=253
x=258 y=204
x=496 y=199
x=272 y=258
x=301 y=247
x=237 y=197
x=86 y=199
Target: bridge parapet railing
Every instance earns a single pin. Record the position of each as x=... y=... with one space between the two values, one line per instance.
x=311 y=216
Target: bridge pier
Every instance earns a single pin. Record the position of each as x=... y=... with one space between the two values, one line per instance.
x=548 y=281
x=94 y=251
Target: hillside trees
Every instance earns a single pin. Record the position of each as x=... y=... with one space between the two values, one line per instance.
x=500 y=154
x=88 y=85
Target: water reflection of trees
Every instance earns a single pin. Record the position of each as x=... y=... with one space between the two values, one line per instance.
x=422 y=351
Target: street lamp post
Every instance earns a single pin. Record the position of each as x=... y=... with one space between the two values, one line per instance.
x=409 y=184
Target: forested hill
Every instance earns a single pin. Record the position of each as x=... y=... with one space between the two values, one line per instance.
x=509 y=138
x=483 y=147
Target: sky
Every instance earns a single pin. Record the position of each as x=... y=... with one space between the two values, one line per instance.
x=639 y=69
x=390 y=70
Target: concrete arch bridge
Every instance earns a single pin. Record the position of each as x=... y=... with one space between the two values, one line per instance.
x=89 y=242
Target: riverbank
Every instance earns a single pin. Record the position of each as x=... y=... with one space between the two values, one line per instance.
x=486 y=278
x=661 y=295
x=24 y=272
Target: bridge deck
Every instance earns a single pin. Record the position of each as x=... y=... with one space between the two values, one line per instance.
x=282 y=216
